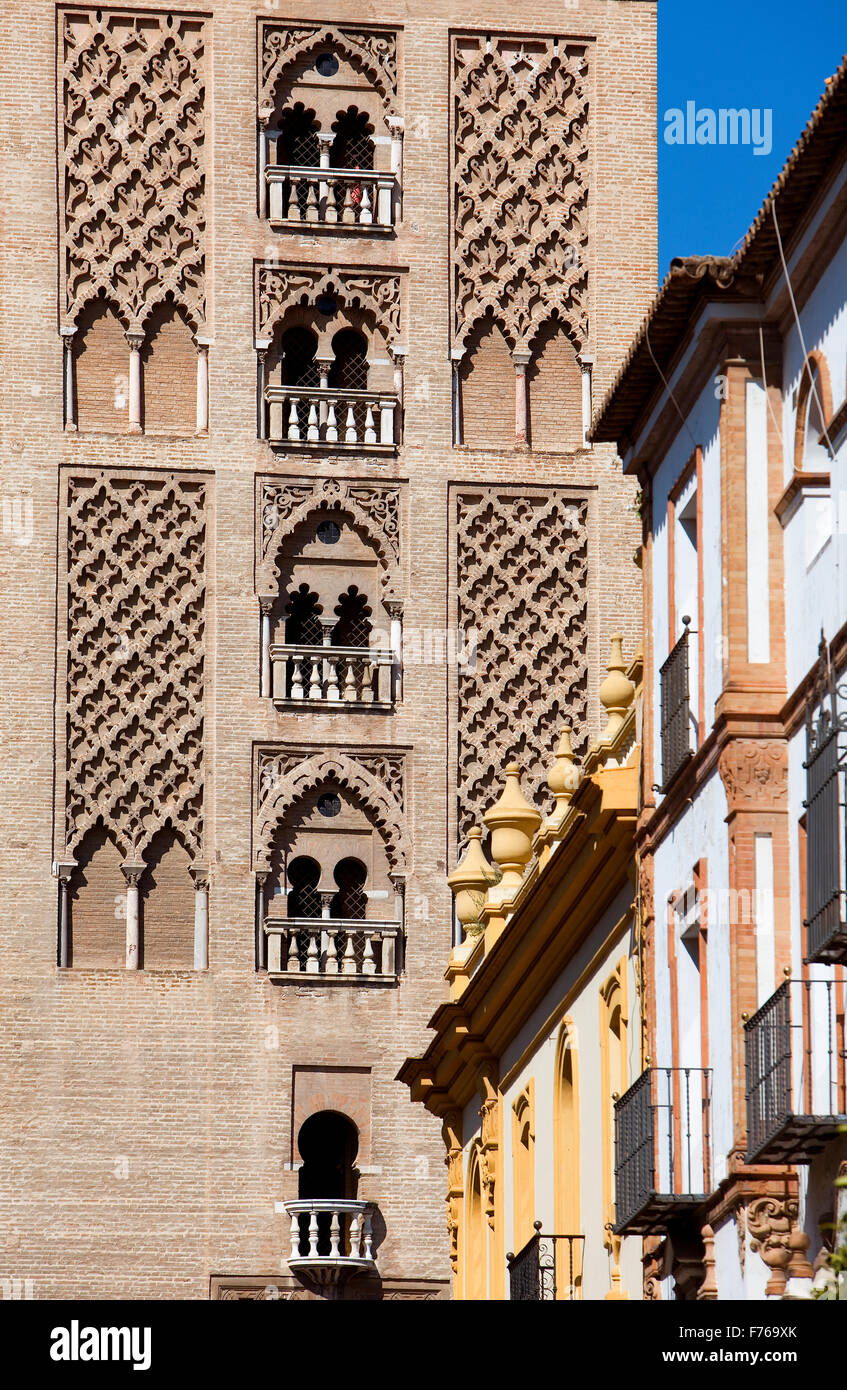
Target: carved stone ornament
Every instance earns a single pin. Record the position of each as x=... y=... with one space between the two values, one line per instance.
x=489 y=1112
x=771 y=1223
x=451 y=1130
x=522 y=564
x=373 y=508
x=755 y=774
x=280 y=787
x=520 y=216
x=136 y=592
x=373 y=52
x=273 y=765
x=279 y=288
x=132 y=91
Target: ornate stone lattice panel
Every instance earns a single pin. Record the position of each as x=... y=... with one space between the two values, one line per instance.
x=279 y=288
x=522 y=560
x=520 y=213
x=136 y=619
x=373 y=507
x=372 y=51
x=284 y=775
x=132 y=161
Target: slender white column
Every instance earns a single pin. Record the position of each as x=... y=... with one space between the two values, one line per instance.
x=202 y=386
x=201 y=917
x=261 y=876
x=135 y=341
x=261 y=160
x=395 y=125
x=521 y=361
x=326 y=205
x=63 y=873
x=262 y=345
x=67 y=335
x=265 y=605
x=456 y=355
x=392 y=950
x=395 y=612
x=132 y=873
x=586 y=364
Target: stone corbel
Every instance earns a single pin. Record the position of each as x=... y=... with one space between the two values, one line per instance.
x=777 y=1238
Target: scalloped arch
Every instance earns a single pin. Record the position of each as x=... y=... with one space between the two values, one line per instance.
x=339 y=770
x=330 y=497
x=373 y=52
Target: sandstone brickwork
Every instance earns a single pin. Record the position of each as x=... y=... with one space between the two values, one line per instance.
x=151 y=537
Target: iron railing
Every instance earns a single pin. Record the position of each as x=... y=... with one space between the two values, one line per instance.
x=663 y=1163
x=795 y=1065
x=547 y=1269
x=826 y=795
x=676 y=736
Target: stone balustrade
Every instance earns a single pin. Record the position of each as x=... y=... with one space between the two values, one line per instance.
x=330 y=1238
x=358 y=199
x=332 y=675
x=313 y=417
x=324 y=948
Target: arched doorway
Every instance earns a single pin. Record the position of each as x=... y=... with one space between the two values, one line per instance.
x=328 y=1143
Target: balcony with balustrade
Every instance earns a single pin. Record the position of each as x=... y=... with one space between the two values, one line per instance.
x=341 y=200
x=325 y=951
x=663 y=1163
x=331 y=1239
x=314 y=418
x=332 y=677
x=795 y=1066
x=548 y=1269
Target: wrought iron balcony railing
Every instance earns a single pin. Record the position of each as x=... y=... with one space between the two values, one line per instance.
x=327 y=675
x=826 y=819
x=663 y=1164
x=313 y=417
x=547 y=1269
x=345 y=199
x=322 y=949
x=330 y=1239
x=676 y=713
x=795 y=1063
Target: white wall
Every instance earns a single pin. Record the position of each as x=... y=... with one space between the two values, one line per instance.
x=703 y=430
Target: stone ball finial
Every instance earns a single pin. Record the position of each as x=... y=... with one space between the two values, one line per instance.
x=470 y=880
x=512 y=822
x=617 y=690
x=563 y=778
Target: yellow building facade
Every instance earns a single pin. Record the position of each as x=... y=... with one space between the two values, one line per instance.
x=543 y=1030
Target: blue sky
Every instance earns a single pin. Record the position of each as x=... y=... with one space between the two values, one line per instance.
x=754 y=54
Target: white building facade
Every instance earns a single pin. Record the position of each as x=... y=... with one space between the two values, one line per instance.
x=732 y=412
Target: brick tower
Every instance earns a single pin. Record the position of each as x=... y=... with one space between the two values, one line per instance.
x=301 y=325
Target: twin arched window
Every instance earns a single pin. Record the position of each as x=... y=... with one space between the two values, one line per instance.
x=349 y=902
x=352 y=148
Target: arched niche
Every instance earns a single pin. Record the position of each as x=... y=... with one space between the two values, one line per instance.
x=487 y=382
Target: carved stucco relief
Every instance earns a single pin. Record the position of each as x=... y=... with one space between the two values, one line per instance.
x=372 y=51
x=132 y=92
x=373 y=508
x=136 y=627
x=520 y=213
x=376 y=781
x=522 y=562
